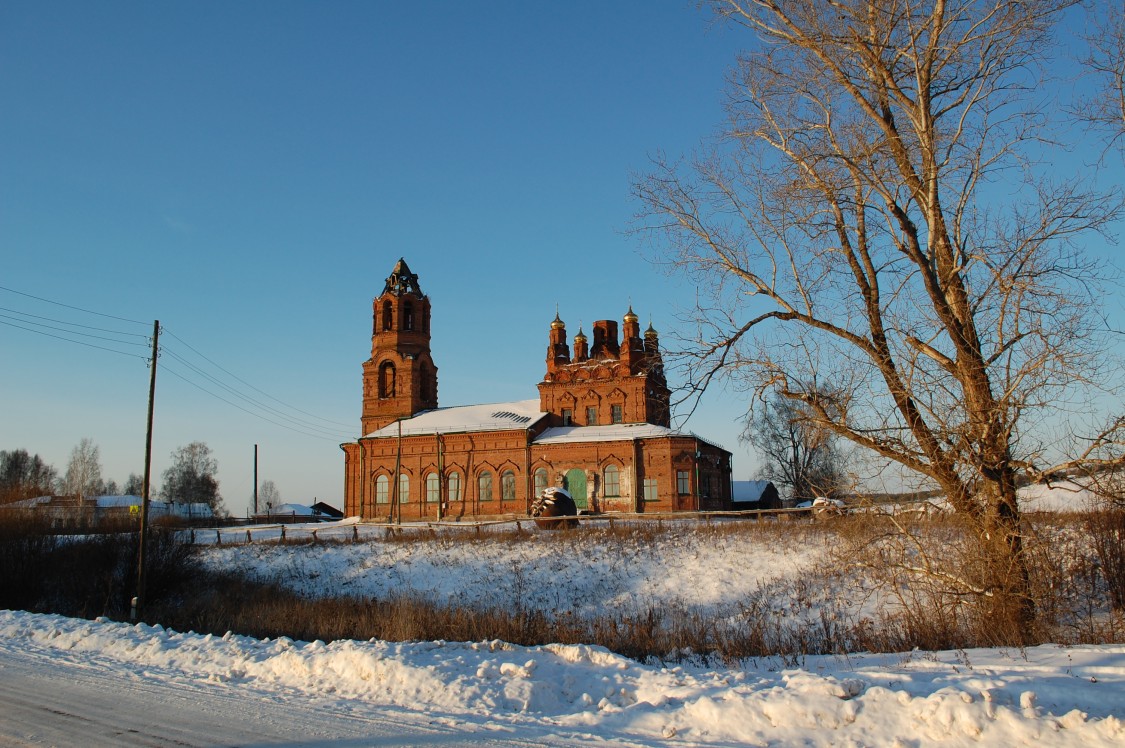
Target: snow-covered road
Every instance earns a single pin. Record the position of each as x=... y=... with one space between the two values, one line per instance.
x=54 y=698
x=67 y=682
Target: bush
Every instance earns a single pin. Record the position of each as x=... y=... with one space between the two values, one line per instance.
x=83 y=575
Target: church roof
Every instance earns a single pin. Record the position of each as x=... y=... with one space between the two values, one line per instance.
x=612 y=433
x=520 y=414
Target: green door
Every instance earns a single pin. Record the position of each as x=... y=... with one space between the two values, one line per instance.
x=576 y=486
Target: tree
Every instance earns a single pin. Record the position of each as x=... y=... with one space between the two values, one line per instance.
x=84 y=471
x=873 y=240
x=134 y=485
x=797 y=453
x=191 y=477
x=1105 y=110
x=23 y=476
x=268 y=495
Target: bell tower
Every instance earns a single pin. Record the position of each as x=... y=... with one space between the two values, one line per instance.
x=400 y=378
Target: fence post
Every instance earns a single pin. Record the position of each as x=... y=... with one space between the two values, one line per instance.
x=218 y=537
x=355 y=533
x=193 y=536
x=283 y=532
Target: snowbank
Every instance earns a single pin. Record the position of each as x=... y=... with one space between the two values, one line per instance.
x=1049 y=695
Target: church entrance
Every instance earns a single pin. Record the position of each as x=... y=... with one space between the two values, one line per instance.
x=576 y=486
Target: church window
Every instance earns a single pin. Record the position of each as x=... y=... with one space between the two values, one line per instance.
x=618 y=414
x=408 y=316
x=508 y=486
x=683 y=482
x=484 y=484
x=433 y=488
x=387 y=380
x=612 y=481
x=382 y=490
x=650 y=490
x=540 y=480
x=591 y=416
x=567 y=416
x=454 y=486
x=424 y=388
x=388 y=315
x=403 y=488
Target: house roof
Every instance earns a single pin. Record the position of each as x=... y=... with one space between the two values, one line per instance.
x=521 y=414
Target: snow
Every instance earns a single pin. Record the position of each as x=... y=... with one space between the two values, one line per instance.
x=294 y=509
x=1059 y=496
x=1048 y=695
x=520 y=414
x=565 y=694
x=576 y=573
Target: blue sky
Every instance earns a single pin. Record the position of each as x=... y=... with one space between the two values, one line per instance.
x=249 y=173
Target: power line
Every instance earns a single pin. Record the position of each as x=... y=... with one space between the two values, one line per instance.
x=198 y=386
x=78 y=342
x=74 y=324
x=68 y=306
x=248 y=399
x=260 y=392
x=71 y=332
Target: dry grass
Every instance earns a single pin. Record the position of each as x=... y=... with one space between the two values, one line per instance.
x=1072 y=559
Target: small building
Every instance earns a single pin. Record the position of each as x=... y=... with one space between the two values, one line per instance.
x=754 y=494
x=600 y=427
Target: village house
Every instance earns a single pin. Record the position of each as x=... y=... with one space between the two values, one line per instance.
x=600 y=428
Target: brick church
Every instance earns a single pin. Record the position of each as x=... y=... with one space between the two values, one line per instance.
x=600 y=427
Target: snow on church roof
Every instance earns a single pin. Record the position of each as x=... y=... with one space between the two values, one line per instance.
x=615 y=432
x=520 y=414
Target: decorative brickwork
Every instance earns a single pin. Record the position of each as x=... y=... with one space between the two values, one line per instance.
x=601 y=429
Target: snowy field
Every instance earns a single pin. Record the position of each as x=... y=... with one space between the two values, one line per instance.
x=483 y=693
x=584 y=573
x=579 y=695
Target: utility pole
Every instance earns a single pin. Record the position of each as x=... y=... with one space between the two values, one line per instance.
x=255 y=479
x=139 y=599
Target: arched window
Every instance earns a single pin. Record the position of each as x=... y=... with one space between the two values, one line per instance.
x=387 y=380
x=424 y=383
x=540 y=480
x=382 y=490
x=507 y=486
x=403 y=488
x=612 y=483
x=433 y=488
x=407 y=316
x=454 y=486
x=388 y=315
x=484 y=484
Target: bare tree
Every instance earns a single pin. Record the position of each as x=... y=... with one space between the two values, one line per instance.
x=269 y=495
x=797 y=453
x=1105 y=110
x=84 y=470
x=191 y=477
x=871 y=240
x=134 y=485
x=23 y=476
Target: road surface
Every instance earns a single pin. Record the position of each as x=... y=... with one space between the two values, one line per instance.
x=48 y=699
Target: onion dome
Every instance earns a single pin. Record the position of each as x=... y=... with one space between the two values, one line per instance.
x=630 y=316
